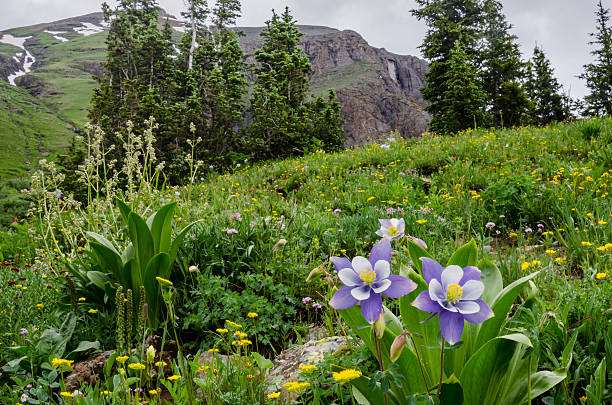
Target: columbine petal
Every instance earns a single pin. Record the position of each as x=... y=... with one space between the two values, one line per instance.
x=431 y=270
x=401 y=225
x=341 y=263
x=361 y=293
x=424 y=303
x=472 y=290
x=381 y=285
x=400 y=286
x=349 y=277
x=385 y=223
x=370 y=308
x=451 y=325
x=470 y=273
x=467 y=307
x=382 y=269
x=436 y=293
x=380 y=233
x=360 y=264
x=381 y=251
x=451 y=275
x=343 y=299
x=482 y=315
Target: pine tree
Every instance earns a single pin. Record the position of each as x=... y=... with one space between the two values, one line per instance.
x=453 y=28
x=598 y=74
x=544 y=91
x=501 y=67
x=284 y=121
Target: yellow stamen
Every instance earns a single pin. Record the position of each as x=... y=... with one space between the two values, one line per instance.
x=392 y=231
x=454 y=292
x=368 y=276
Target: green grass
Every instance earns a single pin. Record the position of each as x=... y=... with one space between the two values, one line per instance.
x=29 y=131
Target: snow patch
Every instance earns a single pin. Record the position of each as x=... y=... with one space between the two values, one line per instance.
x=56 y=36
x=392 y=69
x=87 y=29
x=16 y=59
x=180 y=28
x=28 y=60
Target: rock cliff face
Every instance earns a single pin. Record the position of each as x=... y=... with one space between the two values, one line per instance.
x=379 y=91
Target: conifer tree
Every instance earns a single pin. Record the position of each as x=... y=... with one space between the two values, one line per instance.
x=453 y=27
x=548 y=104
x=598 y=74
x=501 y=67
x=283 y=121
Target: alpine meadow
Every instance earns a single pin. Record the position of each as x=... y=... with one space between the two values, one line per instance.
x=198 y=212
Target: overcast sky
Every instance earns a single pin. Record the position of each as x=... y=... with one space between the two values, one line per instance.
x=561 y=27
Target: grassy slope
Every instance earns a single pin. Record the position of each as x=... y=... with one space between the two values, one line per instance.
x=29 y=130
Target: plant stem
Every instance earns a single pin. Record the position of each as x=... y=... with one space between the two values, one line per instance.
x=416 y=351
x=441 y=368
x=380 y=362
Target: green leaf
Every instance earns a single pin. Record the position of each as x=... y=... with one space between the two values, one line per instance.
x=492 y=280
x=159 y=264
x=261 y=361
x=416 y=252
x=109 y=260
x=541 y=382
x=466 y=255
x=98 y=278
x=501 y=306
x=141 y=238
x=83 y=347
x=451 y=392
x=102 y=241
x=161 y=228
x=124 y=209
x=176 y=243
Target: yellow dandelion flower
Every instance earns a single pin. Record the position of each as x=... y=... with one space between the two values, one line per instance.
x=61 y=362
x=82 y=299
x=551 y=252
x=584 y=243
x=160 y=363
x=536 y=263
x=92 y=311
x=513 y=234
x=174 y=377
x=40 y=306
x=525 y=266
x=66 y=394
x=222 y=330
x=274 y=395
x=421 y=221
x=252 y=315
x=599 y=276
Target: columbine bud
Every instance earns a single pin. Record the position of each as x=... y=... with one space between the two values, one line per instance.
x=150 y=354
x=380 y=325
x=317 y=271
x=397 y=347
x=418 y=241
x=281 y=242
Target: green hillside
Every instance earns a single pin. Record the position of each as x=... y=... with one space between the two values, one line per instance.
x=29 y=131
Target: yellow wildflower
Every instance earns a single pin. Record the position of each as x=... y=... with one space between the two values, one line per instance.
x=513 y=235
x=66 y=394
x=93 y=311
x=599 y=276
x=160 y=363
x=421 y=221
x=121 y=359
x=137 y=366
x=164 y=281
x=308 y=368
x=525 y=266
x=174 y=377
x=61 y=362
x=295 y=386
x=40 y=306
x=346 y=375
x=252 y=315
x=584 y=243
x=274 y=395
x=551 y=252
x=82 y=299
x=220 y=330
x=536 y=262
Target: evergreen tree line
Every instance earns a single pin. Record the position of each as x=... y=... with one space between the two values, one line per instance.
x=201 y=91
x=477 y=76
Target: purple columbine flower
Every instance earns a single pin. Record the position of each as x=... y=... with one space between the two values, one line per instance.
x=454 y=293
x=366 y=279
x=391 y=228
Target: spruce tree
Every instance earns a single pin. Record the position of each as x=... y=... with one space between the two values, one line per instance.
x=284 y=121
x=598 y=74
x=548 y=104
x=501 y=67
x=453 y=28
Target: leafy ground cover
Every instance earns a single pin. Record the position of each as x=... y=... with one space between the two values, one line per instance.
x=534 y=200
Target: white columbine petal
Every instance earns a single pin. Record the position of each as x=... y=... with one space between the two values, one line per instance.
x=467 y=307
x=361 y=293
x=381 y=286
x=360 y=264
x=349 y=277
x=436 y=293
x=472 y=290
x=382 y=268
x=451 y=275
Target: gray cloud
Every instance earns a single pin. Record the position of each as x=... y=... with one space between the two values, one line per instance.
x=561 y=27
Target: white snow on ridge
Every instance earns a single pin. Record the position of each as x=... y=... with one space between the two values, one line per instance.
x=56 y=36
x=89 y=29
x=28 y=61
x=180 y=28
x=16 y=59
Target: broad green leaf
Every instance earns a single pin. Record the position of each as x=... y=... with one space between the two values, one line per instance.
x=566 y=357
x=83 y=347
x=159 y=264
x=109 y=259
x=261 y=361
x=102 y=241
x=124 y=209
x=416 y=252
x=141 y=238
x=364 y=395
x=98 y=278
x=161 y=227
x=466 y=255
x=451 y=392
x=541 y=382
x=501 y=306
x=492 y=280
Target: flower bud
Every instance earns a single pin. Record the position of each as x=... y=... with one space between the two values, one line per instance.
x=380 y=325
x=193 y=269
x=317 y=271
x=150 y=354
x=418 y=241
x=281 y=242
x=397 y=347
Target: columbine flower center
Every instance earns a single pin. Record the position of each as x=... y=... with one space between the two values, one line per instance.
x=454 y=292
x=368 y=276
x=392 y=231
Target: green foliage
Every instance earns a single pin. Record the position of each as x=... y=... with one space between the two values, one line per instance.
x=490 y=367
x=149 y=256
